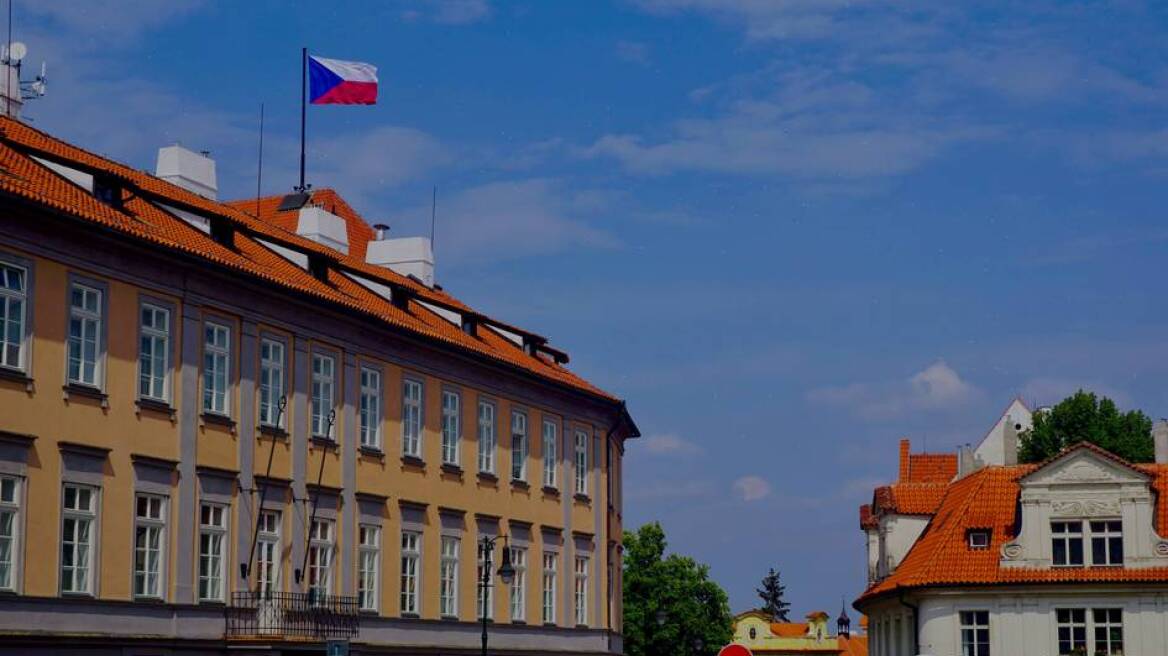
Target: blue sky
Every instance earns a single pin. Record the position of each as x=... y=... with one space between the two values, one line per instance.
x=788 y=232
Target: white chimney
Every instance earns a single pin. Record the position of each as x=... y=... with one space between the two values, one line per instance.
x=409 y=256
x=1160 y=441
x=1010 y=443
x=323 y=227
x=192 y=171
x=10 y=99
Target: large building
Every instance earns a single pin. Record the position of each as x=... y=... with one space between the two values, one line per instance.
x=757 y=631
x=263 y=425
x=978 y=555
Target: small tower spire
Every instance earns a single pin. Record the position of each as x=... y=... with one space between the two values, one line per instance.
x=843 y=624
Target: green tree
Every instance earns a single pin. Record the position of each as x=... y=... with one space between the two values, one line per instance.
x=771 y=594
x=1085 y=417
x=672 y=608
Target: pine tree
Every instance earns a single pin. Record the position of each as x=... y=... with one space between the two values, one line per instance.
x=771 y=594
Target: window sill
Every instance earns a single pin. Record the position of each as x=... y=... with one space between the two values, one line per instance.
x=520 y=484
x=217 y=419
x=582 y=498
x=326 y=443
x=16 y=376
x=273 y=432
x=155 y=405
x=449 y=618
x=211 y=603
x=413 y=461
x=520 y=622
x=410 y=616
x=488 y=477
x=149 y=600
x=551 y=491
x=368 y=612
x=550 y=624
x=86 y=392
x=371 y=452
x=451 y=468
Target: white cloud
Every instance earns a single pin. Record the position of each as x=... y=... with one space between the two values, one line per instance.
x=376 y=159
x=107 y=20
x=937 y=387
x=752 y=488
x=670 y=444
x=669 y=490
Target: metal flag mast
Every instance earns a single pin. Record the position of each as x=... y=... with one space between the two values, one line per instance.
x=303 y=188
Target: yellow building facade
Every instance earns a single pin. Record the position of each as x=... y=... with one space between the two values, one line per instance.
x=188 y=417
x=757 y=631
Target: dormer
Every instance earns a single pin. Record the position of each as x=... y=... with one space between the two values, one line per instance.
x=1084 y=509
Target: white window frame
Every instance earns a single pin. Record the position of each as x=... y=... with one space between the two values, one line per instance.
x=76 y=344
x=518 y=445
x=581 y=463
x=11 y=488
x=551 y=437
x=484 y=561
x=448 y=577
x=269 y=541
x=150 y=385
x=273 y=382
x=216 y=356
x=369 y=427
x=551 y=572
x=324 y=394
x=322 y=546
x=580 y=590
x=1070 y=624
x=14 y=322
x=978 y=539
x=488 y=441
x=975 y=632
x=1108 y=532
x=149 y=582
x=413 y=394
x=451 y=426
x=519 y=584
x=369 y=567
x=411 y=573
x=214 y=519
x=1068 y=537
x=1107 y=644
x=80 y=577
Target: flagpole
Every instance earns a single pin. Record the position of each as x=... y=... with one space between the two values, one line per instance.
x=303 y=111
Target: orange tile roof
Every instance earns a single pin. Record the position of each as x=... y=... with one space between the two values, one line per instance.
x=854 y=645
x=789 y=629
x=988 y=499
x=139 y=218
x=867 y=520
x=931 y=468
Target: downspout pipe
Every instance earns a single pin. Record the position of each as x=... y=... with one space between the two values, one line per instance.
x=916 y=636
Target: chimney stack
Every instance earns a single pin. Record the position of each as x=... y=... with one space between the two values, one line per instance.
x=192 y=171
x=380 y=231
x=1010 y=443
x=1160 y=441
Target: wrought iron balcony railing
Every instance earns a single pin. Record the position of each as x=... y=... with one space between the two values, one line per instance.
x=291 y=616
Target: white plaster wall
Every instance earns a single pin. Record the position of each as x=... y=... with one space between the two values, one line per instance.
x=991 y=450
x=898 y=533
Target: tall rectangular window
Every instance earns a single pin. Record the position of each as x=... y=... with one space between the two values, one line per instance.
x=412 y=418
x=9 y=531
x=216 y=368
x=1108 y=629
x=321 y=544
x=149 y=546
x=323 y=395
x=518 y=446
x=370 y=408
x=78 y=514
x=519 y=584
x=1071 y=624
x=411 y=567
x=13 y=301
x=1067 y=543
x=448 y=577
x=550 y=574
x=212 y=551
x=268 y=552
x=271 y=382
x=451 y=426
x=581 y=463
x=581 y=590
x=550 y=441
x=486 y=610
x=368 y=566
x=154 y=353
x=486 y=437
x=85 y=335
x=975 y=633
x=1107 y=542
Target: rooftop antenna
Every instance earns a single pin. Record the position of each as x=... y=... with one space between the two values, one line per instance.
x=14 y=90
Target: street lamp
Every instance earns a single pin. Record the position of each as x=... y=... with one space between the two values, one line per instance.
x=506 y=574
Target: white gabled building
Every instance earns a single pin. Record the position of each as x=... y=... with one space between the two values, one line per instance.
x=1063 y=557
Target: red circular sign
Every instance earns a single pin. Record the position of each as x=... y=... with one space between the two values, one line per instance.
x=735 y=650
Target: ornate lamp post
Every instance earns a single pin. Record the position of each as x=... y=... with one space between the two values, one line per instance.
x=506 y=574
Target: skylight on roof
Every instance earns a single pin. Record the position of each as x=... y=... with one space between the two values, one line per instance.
x=293 y=256
x=382 y=290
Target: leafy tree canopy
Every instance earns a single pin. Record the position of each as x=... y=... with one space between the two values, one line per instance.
x=694 y=610
x=771 y=594
x=1086 y=417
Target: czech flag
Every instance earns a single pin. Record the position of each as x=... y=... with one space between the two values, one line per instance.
x=336 y=82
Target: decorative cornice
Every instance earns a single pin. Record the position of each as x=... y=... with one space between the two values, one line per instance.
x=153 y=461
x=413 y=505
x=370 y=497
x=217 y=472
x=87 y=450
x=447 y=510
x=17 y=439
x=320 y=488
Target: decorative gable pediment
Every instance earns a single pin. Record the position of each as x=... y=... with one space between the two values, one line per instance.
x=1083 y=466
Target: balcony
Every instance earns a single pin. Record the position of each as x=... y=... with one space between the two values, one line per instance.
x=295 y=616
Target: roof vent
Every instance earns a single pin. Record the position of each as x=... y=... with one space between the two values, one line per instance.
x=323 y=227
x=380 y=231
x=192 y=171
x=409 y=256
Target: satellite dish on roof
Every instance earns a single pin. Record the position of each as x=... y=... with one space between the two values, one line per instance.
x=17 y=51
